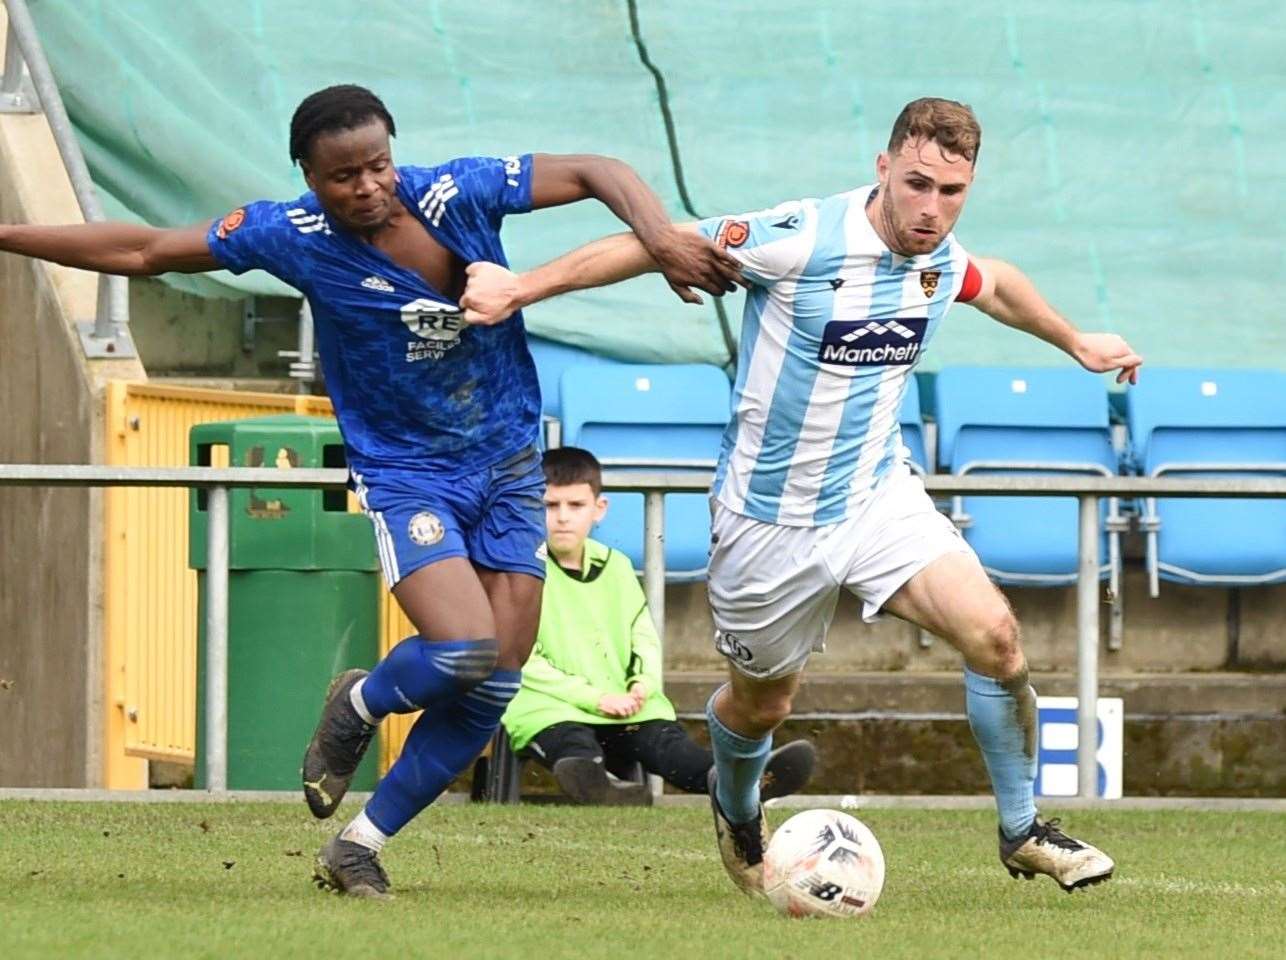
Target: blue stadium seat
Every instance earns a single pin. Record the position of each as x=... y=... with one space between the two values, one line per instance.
x=645 y=414
x=1034 y=421
x=552 y=358
x=1224 y=423
x=913 y=427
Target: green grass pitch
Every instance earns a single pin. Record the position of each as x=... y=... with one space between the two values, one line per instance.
x=544 y=882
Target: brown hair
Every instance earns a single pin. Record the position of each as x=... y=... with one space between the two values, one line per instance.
x=951 y=125
x=565 y=466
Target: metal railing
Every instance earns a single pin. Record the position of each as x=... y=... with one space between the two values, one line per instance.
x=107 y=336
x=653 y=483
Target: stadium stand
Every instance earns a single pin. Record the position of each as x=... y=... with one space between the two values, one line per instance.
x=640 y=414
x=1211 y=422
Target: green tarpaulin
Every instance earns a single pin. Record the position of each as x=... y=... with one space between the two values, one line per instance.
x=1131 y=162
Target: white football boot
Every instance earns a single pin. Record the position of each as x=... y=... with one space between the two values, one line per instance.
x=1046 y=849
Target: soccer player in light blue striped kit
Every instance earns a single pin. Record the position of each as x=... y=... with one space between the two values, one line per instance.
x=812 y=493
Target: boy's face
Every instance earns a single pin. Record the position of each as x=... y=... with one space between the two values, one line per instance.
x=570 y=512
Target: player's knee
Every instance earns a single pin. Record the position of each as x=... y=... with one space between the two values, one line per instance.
x=766 y=712
x=481 y=662
x=514 y=653
x=998 y=647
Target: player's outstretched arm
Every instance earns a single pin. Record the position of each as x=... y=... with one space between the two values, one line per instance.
x=493 y=293
x=687 y=259
x=127 y=249
x=1009 y=296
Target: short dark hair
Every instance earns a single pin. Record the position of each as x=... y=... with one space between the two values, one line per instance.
x=343 y=107
x=951 y=125
x=565 y=466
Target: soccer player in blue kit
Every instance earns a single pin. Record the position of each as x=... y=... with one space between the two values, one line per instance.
x=439 y=419
x=812 y=493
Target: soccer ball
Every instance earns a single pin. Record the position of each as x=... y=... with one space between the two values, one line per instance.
x=823 y=863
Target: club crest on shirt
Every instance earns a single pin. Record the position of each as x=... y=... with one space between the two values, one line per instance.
x=929 y=281
x=732 y=233
x=231 y=222
x=425 y=529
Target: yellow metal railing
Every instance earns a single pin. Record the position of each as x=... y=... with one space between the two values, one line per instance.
x=151 y=596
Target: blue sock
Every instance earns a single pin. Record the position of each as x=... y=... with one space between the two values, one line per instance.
x=1003 y=720
x=445 y=740
x=739 y=762
x=418 y=673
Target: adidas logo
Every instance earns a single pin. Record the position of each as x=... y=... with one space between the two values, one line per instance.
x=874 y=327
x=377 y=283
x=306 y=222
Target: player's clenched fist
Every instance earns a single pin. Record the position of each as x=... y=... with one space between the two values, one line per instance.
x=490 y=294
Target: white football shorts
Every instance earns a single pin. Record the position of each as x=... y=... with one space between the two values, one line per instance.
x=773 y=588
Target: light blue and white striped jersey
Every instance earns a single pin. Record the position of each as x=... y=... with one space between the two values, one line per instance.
x=833 y=326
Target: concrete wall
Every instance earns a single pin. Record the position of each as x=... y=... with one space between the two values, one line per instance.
x=1185 y=629
x=1213 y=735
x=1174 y=757
x=51 y=658
x=182 y=335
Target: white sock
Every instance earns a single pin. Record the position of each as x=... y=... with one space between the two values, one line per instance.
x=362 y=831
x=355 y=698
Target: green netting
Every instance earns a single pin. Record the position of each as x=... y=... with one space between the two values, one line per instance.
x=1132 y=157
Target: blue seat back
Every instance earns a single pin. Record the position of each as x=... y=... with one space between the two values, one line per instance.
x=643 y=413
x=646 y=411
x=687 y=532
x=1179 y=415
x=1026 y=403
x=912 y=424
x=552 y=359
x=1184 y=418
x=1048 y=420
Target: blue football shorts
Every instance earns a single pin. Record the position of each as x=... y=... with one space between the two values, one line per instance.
x=495 y=517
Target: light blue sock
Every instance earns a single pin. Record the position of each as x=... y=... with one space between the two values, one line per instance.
x=739 y=762
x=1003 y=720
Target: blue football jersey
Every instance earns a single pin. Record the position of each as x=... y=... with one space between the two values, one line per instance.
x=413 y=386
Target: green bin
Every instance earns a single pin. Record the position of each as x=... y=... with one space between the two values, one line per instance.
x=303 y=597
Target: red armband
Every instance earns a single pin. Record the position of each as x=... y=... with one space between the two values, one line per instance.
x=972 y=284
